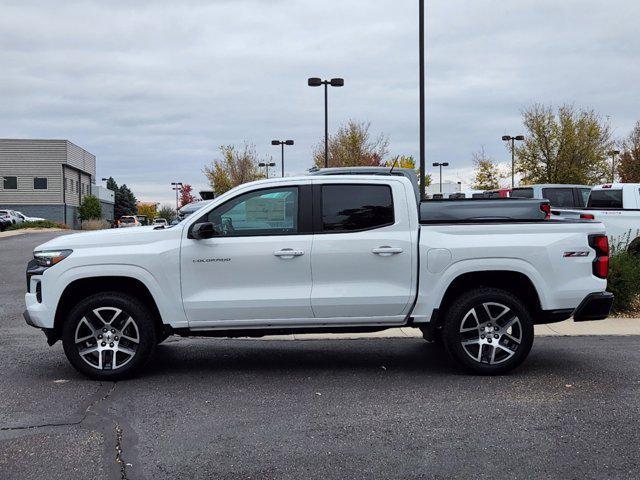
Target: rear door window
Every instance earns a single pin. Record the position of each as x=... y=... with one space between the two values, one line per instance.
x=522 y=193
x=559 y=197
x=353 y=208
x=605 y=199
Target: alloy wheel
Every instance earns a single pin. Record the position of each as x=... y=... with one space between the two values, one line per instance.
x=491 y=333
x=107 y=338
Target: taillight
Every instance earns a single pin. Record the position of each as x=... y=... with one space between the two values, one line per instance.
x=587 y=216
x=546 y=208
x=600 y=243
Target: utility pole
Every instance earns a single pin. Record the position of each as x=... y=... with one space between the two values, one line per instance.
x=444 y=164
x=508 y=138
x=177 y=186
x=613 y=154
x=421 y=14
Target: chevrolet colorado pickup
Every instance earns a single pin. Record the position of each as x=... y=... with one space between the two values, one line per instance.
x=318 y=254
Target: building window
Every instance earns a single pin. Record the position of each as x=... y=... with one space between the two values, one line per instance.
x=39 y=183
x=10 y=183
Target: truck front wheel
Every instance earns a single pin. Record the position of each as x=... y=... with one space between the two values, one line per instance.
x=109 y=336
x=488 y=331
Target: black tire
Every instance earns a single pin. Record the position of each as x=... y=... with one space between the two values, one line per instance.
x=504 y=325
x=85 y=320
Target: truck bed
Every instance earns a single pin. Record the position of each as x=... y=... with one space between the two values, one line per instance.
x=483 y=210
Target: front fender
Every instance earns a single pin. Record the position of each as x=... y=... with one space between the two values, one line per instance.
x=55 y=283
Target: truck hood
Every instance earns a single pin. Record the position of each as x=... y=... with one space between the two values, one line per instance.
x=106 y=238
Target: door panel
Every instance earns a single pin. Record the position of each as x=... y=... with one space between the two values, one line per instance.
x=242 y=278
x=258 y=266
x=361 y=269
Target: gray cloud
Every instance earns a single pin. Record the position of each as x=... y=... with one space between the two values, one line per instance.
x=153 y=88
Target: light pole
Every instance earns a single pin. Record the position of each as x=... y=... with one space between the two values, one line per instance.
x=177 y=186
x=334 y=82
x=282 y=143
x=266 y=165
x=422 y=97
x=506 y=138
x=613 y=154
x=444 y=164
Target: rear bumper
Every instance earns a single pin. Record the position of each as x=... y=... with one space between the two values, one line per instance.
x=596 y=306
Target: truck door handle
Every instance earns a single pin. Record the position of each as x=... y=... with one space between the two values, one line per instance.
x=287 y=253
x=387 y=251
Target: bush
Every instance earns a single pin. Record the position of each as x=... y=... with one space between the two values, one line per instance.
x=624 y=280
x=90 y=208
x=38 y=224
x=95 y=224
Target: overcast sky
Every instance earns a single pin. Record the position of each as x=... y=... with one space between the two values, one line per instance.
x=153 y=88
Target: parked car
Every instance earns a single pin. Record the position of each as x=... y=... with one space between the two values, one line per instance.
x=160 y=221
x=143 y=220
x=5 y=221
x=559 y=195
x=28 y=219
x=242 y=266
x=11 y=216
x=616 y=205
x=128 y=221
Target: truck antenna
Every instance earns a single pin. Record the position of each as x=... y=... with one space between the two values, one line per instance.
x=395 y=162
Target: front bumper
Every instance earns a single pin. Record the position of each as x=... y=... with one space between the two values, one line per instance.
x=596 y=306
x=49 y=332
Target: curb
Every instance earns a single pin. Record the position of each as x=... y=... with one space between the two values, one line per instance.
x=23 y=231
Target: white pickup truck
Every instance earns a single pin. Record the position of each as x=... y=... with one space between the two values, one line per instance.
x=317 y=254
x=616 y=205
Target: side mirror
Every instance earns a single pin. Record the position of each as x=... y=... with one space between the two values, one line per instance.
x=200 y=231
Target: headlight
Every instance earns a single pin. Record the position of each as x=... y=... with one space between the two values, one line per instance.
x=48 y=258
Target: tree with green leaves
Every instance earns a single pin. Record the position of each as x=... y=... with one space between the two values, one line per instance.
x=353 y=146
x=166 y=212
x=237 y=166
x=628 y=167
x=125 y=202
x=567 y=146
x=487 y=174
x=90 y=208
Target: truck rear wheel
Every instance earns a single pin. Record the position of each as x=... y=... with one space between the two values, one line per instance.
x=109 y=336
x=488 y=331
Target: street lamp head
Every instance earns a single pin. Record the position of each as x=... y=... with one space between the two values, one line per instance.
x=314 y=82
x=436 y=164
x=275 y=142
x=506 y=138
x=288 y=142
x=445 y=164
x=272 y=164
x=614 y=152
x=337 y=82
x=105 y=179
x=520 y=137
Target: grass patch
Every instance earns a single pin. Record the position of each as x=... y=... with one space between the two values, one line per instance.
x=38 y=224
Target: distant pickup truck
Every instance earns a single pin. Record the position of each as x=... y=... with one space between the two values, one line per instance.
x=323 y=253
x=559 y=195
x=616 y=205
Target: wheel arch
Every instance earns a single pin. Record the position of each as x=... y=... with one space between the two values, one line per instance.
x=514 y=282
x=83 y=287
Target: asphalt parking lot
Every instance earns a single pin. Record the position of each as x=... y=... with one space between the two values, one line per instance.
x=366 y=408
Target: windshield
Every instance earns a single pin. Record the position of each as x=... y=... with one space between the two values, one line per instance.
x=605 y=199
